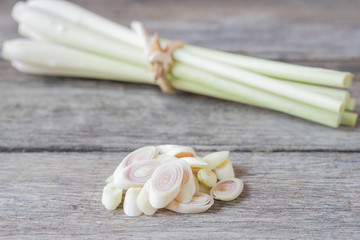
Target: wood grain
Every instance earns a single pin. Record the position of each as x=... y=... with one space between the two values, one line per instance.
x=287 y=195
x=302 y=179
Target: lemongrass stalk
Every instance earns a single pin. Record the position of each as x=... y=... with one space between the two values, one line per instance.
x=143 y=201
x=28 y=32
x=351 y=104
x=136 y=174
x=200 y=202
x=207 y=177
x=111 y=197
x=96 y=23
x=229 y=90
x=272 y=102
x=62 y=32
x=349 y=119
x=227 y=189
x=79 y=38
x=270 y=85
x=279 y=70
x=130 y=204
x=216 y=158
x=224 y=170
x=338 y=94
x=71 y=61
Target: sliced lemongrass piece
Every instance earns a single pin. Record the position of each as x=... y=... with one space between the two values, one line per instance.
x=110 y=179
x=182 y=151
x=143 y=201
x=140 y=154
x=165 y=183
x=136 y=174
x=203 y=188
x=349 y=119
x=188 y=187
x=227 y=189
x=196 y=183
x=163 y=149
x=216 y=158
x=166 y=158
x=111 y=197
x=224 y=170
x=199 y=203
x=195 y=162
x=207 y=177
x=351 y=104
x=130 y=203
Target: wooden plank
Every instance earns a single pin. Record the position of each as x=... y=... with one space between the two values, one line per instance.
x=286 y=29
x=69 y=114
x=287 y=195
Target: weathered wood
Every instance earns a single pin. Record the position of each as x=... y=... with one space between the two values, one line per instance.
x=43 y=113
x=281 y=29
x=287 y=195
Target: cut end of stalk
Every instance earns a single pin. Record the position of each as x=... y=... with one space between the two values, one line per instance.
x=349 y=119
x=348 y=80
x=351 y=104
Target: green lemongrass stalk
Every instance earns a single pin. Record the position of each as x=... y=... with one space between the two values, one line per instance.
x=349 y=118
x=351 y=104
x=94 y=22
x=78 y=38
x=291 y=72
x=51 y=59
x=338 y=94
x=244 y=94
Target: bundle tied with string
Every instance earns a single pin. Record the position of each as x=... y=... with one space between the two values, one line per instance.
x=64 y=39
x=160 y=58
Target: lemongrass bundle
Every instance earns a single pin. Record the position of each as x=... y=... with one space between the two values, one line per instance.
x=67 y=40
x=167 y=182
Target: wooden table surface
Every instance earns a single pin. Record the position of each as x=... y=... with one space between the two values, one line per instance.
x=61 y=137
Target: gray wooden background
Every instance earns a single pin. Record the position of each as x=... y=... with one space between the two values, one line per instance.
x=61 y=137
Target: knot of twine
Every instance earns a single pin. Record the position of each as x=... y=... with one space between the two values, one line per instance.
x=159 y=57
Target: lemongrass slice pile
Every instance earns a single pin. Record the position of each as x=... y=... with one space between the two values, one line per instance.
x=173 y=177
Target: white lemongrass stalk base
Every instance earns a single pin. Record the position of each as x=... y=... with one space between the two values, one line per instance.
x=130 y=205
